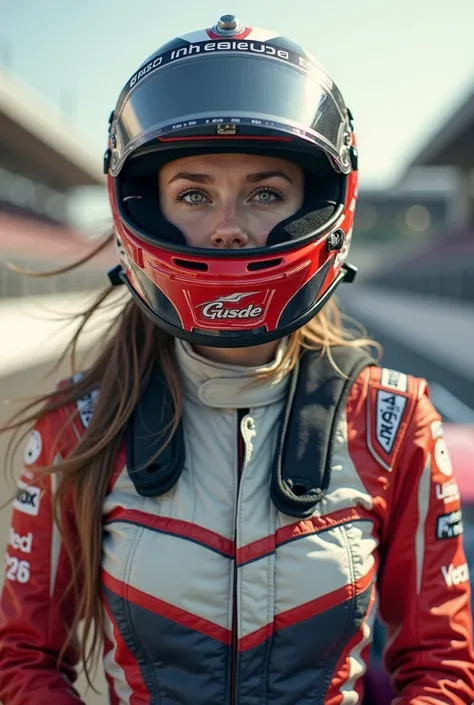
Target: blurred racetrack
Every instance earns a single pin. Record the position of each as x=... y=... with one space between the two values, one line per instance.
x=430 y=339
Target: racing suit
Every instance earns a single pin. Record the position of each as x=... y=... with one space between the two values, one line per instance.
x=211 y=595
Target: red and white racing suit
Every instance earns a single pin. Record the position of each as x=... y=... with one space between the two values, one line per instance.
x=211 y=595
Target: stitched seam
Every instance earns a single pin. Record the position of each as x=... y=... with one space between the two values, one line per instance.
x=328 y=666
x=155 y=694
x=271 y=579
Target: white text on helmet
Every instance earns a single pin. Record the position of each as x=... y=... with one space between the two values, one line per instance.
x=217 y=310
x=209 y=47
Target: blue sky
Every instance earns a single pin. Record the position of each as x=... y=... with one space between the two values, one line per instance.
x=402 y=66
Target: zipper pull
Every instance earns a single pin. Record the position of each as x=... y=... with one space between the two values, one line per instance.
x=247 y=428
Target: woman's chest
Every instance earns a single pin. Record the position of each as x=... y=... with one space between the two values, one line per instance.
x=215 y=546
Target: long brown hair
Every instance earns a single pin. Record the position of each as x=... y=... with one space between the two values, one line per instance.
x=123 y=360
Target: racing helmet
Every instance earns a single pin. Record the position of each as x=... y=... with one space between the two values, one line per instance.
x=232 y=89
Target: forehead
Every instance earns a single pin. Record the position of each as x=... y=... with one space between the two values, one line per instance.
x=239 y=162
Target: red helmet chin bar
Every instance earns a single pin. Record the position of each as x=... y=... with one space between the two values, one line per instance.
x=234 y=298
x=282 y=104
x=225 y=316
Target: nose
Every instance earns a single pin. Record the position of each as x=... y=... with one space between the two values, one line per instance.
x=228 y=232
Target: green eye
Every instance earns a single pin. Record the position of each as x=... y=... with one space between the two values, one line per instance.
x=194 y=197
x=268 y=195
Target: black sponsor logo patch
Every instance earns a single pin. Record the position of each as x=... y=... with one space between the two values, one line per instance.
x=448 y=526
x=27 y=499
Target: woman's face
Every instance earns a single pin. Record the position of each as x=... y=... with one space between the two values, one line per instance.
x=229 y=201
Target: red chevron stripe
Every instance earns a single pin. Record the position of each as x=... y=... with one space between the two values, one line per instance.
x=175 y=527
x=128 y=664
x=334 y=695
x=325 y=602
x=267 y=545
x=112 y=694
x=167 y=611
x=306 y=611
x=251 y=641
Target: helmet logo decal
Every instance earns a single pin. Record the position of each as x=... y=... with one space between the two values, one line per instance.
x=188 y=51
x=219 y=308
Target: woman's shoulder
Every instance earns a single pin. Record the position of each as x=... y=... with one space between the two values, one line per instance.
x=390 y=408
x=64 y=418
x=83 y=401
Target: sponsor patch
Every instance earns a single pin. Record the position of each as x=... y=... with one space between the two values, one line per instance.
x=390 y=408
x=85 y=405
x=437 y=430
x=20 y=543
x=448 y=526
x=392 y=379
x=33 y=447
x=442 y=459
x=27 y=499
x=448 y=492
x=455 y=576
x=230 y=307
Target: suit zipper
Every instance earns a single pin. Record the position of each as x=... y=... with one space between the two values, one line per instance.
x=241 y=413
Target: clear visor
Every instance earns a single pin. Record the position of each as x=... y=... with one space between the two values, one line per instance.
x=200 y=93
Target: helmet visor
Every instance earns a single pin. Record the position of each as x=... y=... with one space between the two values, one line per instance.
x=255 y=86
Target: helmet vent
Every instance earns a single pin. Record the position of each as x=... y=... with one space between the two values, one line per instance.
x=189 y=264
x=264 y=264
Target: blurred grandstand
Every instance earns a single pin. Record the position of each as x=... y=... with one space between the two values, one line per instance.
x=41 y=163
x=431 y=237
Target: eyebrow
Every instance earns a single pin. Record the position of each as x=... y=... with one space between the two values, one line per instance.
x=208 y=179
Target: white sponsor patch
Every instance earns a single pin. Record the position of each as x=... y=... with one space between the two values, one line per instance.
x=437 y=430
x=455 y=576
x=390 y=409
x=27 y=499
x=442 y=459
x=392 y=379
x=448 y=492
x=20 y=543
x=85 y=405
x=33 y=448
x=221 y=307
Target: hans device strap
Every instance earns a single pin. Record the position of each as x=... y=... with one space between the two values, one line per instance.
x=318 y=392
x=301 y=469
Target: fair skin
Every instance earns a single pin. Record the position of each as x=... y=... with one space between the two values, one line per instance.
x=230 y=201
